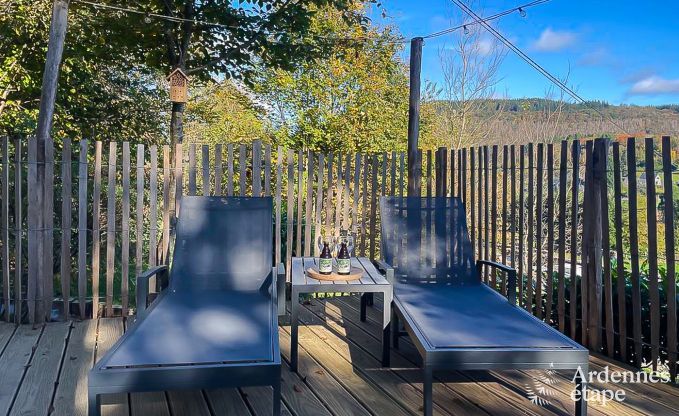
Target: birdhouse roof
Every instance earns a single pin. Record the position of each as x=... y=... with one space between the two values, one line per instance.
x=177 y=71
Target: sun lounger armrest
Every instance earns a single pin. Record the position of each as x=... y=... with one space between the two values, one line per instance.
x=384 y=268
x=511 y=276
x=143 y=285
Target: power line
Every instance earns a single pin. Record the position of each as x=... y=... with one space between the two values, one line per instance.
x=487 y=19
x=398 y=40
x=532 y=63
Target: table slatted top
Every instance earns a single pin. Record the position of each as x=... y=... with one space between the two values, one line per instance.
x=371 y=276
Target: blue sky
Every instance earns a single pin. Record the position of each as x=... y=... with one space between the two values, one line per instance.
x=617 y=51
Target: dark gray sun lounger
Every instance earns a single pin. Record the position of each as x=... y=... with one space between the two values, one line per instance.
x=215 y=324
x=456 y=321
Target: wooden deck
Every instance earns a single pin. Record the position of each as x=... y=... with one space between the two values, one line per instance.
x=44 y=371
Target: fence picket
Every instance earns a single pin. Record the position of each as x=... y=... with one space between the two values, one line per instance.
x=550 y=232
x=290 y=213
x=66 y=218
x=257 y=168
x=218 y=169
x=125 y=228
x=575 y=185
x=652 y=229
x=242 y=170
x=561 y=290
x=309 y=208
x=205 y=168
x=5 y=227
x=18 y=236
x=167 y=207
x=279 y=184
x=619 y=254
x=521 y=225
x=300 y=202
x=606 y=246
x=538 y=231
x=48 y=226
x=493 y=213
x=110 y=227
x=670 y=260
x=192 y=169
x=229 y=170
x=153 y=207
x=267 y=170
x=531 y=229
x=319 y=202
x=634 y=249
x=139 y=216
x=96 y=231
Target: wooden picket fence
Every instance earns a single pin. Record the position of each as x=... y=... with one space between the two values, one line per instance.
x=552 y=211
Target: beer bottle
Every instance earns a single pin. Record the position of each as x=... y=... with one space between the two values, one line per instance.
x=325 y=261
x=343 y=261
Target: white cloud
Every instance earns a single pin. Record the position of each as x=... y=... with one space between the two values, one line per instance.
x=655 y=85
x=552 y=40
x=485 y=47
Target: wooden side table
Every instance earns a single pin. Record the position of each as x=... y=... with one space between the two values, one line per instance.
x=372 y=281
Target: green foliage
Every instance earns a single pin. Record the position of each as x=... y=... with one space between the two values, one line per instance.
x=102 y=93
x=224 y=113
x=354 y=99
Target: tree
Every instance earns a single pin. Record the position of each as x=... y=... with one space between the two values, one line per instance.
x=470 y=70
x=222 y=38
x=102 y=93
x=354 y=99
x=225 y=112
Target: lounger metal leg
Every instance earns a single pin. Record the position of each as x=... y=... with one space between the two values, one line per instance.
x=371 y=299
x=277 y=398
x=394 y=328
x=386 y=329
x=294 y=305
x=364 y=304
x=93 y=403
x=427 y=381
x=581 y=403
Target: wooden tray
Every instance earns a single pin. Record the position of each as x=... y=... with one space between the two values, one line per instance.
x=355 y=274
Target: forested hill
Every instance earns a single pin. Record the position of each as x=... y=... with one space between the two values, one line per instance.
x=522 y=119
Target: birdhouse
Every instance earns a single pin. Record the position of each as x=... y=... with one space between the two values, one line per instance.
x=179 y=84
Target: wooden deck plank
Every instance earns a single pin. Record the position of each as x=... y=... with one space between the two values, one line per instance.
x=637 y=394
x=364 y=390
x=188 y=403
x=328 y=390
x=227 y=402
x=35 y=395
x=360 y=372
x=13 y=362
x=70 y=398
x=6 y=332
x=149 y=404
x=474 y=387
x=110 y=329
x=299 y=396
x=260 y=400
x=510 y=386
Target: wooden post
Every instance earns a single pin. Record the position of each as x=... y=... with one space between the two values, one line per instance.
x=592 y=242
x=652 y=230
x=48 y=95
x=414 y=166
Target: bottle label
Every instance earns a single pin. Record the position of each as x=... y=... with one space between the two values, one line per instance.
x=343 y=266
x=325 y=266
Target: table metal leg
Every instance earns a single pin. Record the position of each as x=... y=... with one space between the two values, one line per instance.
x=386 y=329
x=294 y=322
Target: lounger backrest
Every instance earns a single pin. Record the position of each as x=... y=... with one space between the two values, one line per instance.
x=222 y=244
x=426 y=240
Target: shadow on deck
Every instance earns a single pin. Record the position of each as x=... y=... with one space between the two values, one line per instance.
x=44 y=371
